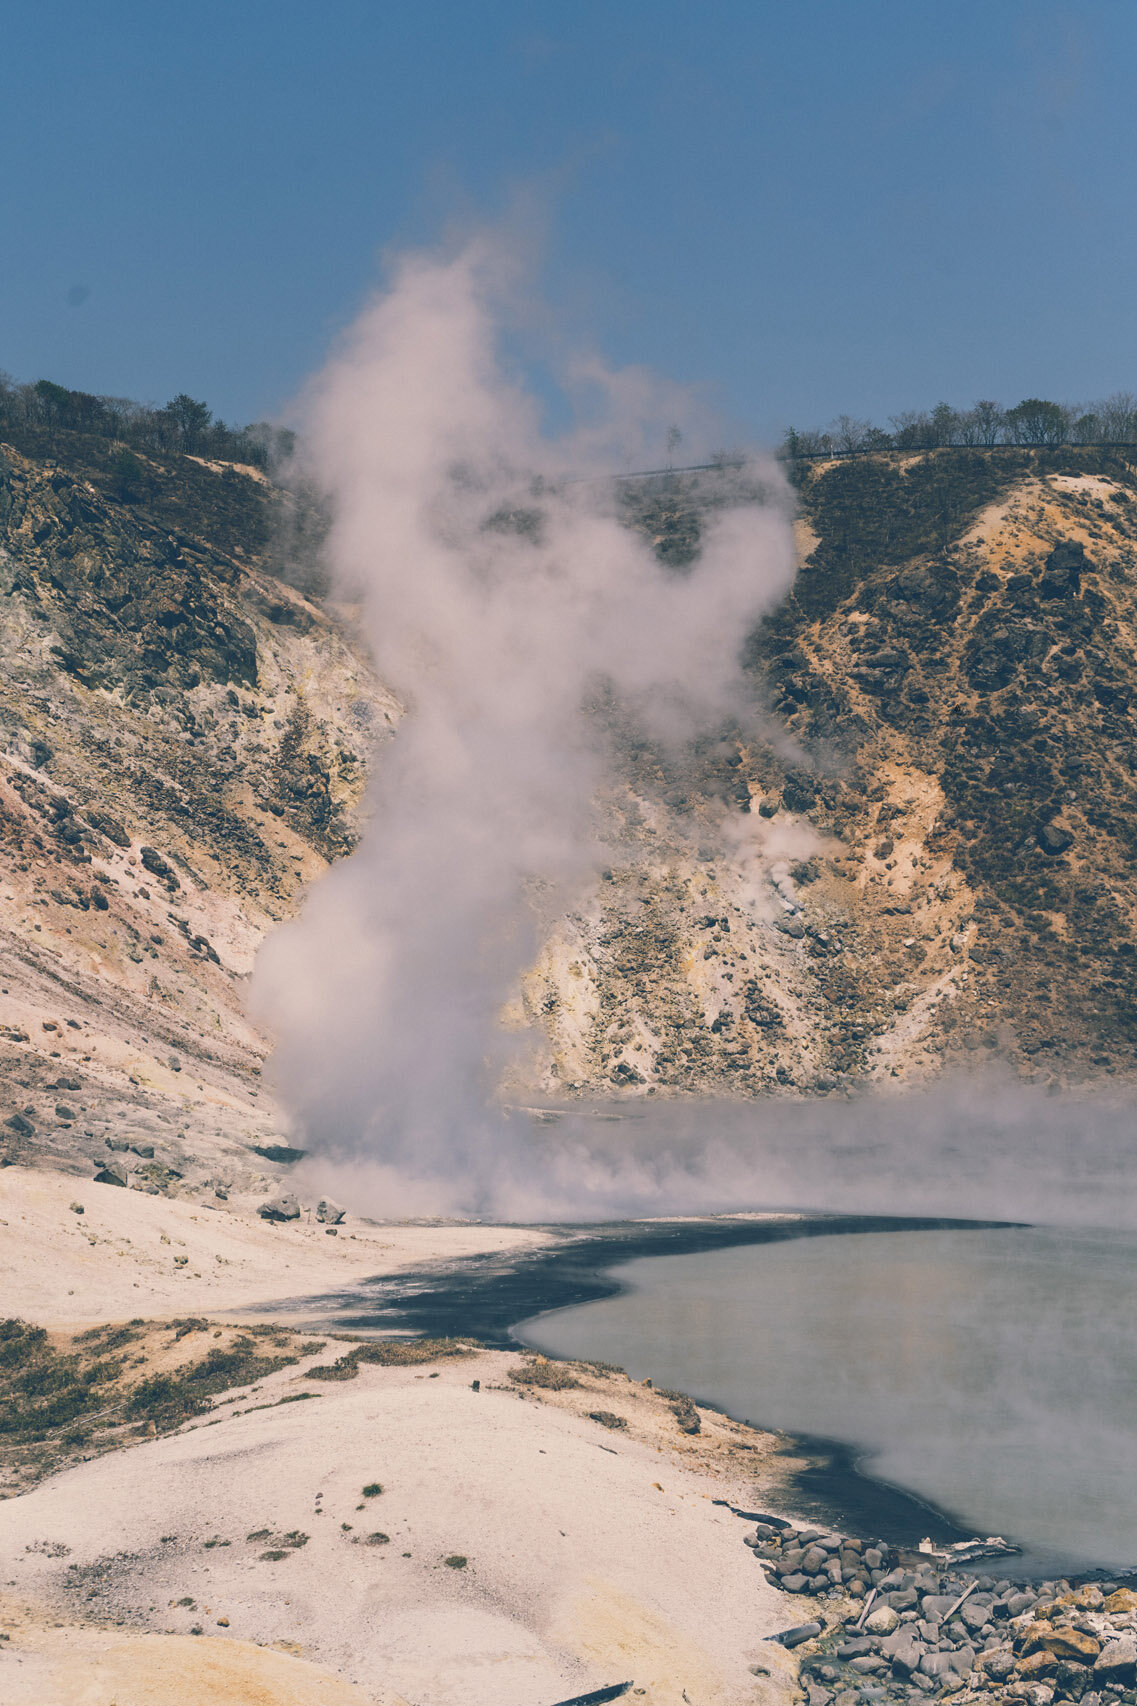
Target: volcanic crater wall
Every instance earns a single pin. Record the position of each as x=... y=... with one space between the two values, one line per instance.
x=919 y=851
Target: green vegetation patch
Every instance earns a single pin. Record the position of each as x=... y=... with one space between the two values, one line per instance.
x=390 y=1353
x=553 y=1376
x=56 y=1404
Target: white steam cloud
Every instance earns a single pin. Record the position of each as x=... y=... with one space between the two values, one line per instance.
x=505 y=603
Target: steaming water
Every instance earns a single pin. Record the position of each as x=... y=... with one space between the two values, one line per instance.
x=993 y=1373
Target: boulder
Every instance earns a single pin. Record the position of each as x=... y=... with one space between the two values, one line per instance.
x=1062 y=577
x=903 y=1651
x=110 y=1173
x=998 y=1664
x=1117 y=1661
x=21 y=1125
x=882 y=1620
x=1071 y=1680
x=861 y=1644
x=1054 y=839
x=329 y=1213
x=1033 y=1693
x=157 y=866
x=1061 y=1643
x=284 y=1207
x=1037 y=1667
x=975 y=1613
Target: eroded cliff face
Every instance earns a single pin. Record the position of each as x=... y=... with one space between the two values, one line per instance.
x=185 y=741
x=919 y=851
x=927 y=855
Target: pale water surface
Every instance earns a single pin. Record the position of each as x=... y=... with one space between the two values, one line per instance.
x=991 y=1372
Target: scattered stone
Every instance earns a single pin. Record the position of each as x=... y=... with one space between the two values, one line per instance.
x=77 y=1208
x=797 y=1635
x=157 y=866
x=284 y=1207
x=903 y=1650
x=882 y=1620
x=1117 y=1661
x=1066 y=1643
x=607 y=1419
x=1054 y=839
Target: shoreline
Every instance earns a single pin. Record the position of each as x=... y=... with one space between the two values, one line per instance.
x=489 y=1296
x=547 y=1528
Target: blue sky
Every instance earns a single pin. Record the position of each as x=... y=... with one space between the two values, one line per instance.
x=804 y=207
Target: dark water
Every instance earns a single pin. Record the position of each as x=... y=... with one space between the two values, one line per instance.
x=992 y=1372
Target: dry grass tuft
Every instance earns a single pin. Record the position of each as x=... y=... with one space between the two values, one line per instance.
x=553 y=1376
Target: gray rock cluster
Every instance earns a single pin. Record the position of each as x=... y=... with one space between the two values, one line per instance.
x=286 y=1207
x=807 y=1560
x=931 y=1632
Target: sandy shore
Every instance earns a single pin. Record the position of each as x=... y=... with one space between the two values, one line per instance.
x=130 y=1254
x=592 y=1554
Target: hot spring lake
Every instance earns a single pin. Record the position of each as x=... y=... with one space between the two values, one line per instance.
x=991 y=1372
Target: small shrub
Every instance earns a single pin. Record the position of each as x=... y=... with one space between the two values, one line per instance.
x=372 y=1490
x=398 y=1353
x=346 y=1369
x=553 y=1376
x=389 y=1353
x=607 y=1419
x=456 y=1561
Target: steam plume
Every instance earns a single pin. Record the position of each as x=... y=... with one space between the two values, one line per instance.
x=505 y=602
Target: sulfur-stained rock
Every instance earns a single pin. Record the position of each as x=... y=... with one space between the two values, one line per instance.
x=1061 y=1643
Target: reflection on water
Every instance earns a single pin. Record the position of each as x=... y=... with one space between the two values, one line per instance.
x=992 y=1372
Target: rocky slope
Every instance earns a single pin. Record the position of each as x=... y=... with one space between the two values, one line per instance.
x=184 y=743
x=928 y=847
x=918 y=851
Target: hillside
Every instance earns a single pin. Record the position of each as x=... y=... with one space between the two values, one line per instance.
x=937 y=865
x=185 y=741
x=928 y=854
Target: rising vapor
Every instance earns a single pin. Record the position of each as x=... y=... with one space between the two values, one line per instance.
x=507 y=606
